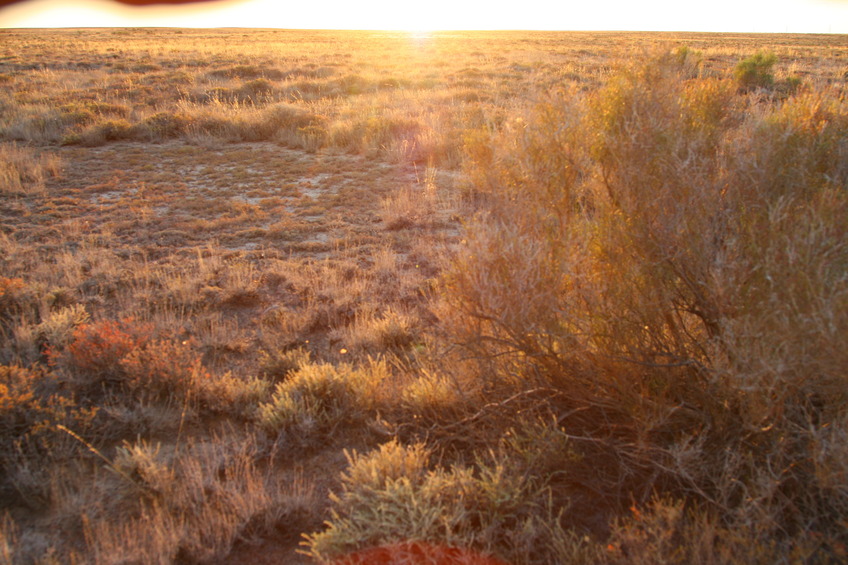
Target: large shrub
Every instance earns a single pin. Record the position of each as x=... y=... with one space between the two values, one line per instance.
x=675 y=266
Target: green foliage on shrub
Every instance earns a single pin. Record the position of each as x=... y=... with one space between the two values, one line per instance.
x=755 y=71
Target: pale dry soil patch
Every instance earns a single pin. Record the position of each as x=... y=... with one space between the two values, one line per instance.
x=177 y=185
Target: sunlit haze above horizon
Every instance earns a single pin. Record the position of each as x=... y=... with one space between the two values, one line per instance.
x=758 y=16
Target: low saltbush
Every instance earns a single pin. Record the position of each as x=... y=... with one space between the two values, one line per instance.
x=499 y=506
x=317 y=400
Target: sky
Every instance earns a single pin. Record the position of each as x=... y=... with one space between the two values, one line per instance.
x=745 y=16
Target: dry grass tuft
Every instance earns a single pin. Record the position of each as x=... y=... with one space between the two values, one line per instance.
x=23 y=172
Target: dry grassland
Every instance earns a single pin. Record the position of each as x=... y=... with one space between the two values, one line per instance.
x=282 y=296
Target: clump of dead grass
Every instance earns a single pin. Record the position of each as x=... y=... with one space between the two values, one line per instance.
x=24 y=172
x=199 y=503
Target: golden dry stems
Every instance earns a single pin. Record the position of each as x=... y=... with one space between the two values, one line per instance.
x=640 y=256
x=22 y=171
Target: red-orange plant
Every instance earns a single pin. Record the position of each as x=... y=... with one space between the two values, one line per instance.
x=8 y=286
x=97 y=348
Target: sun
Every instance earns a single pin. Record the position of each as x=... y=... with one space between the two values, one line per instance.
x=419 y=34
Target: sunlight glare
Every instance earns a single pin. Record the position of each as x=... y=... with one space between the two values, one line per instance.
x=797 y=16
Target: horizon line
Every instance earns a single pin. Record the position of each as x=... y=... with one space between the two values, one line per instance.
x=421 y=31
